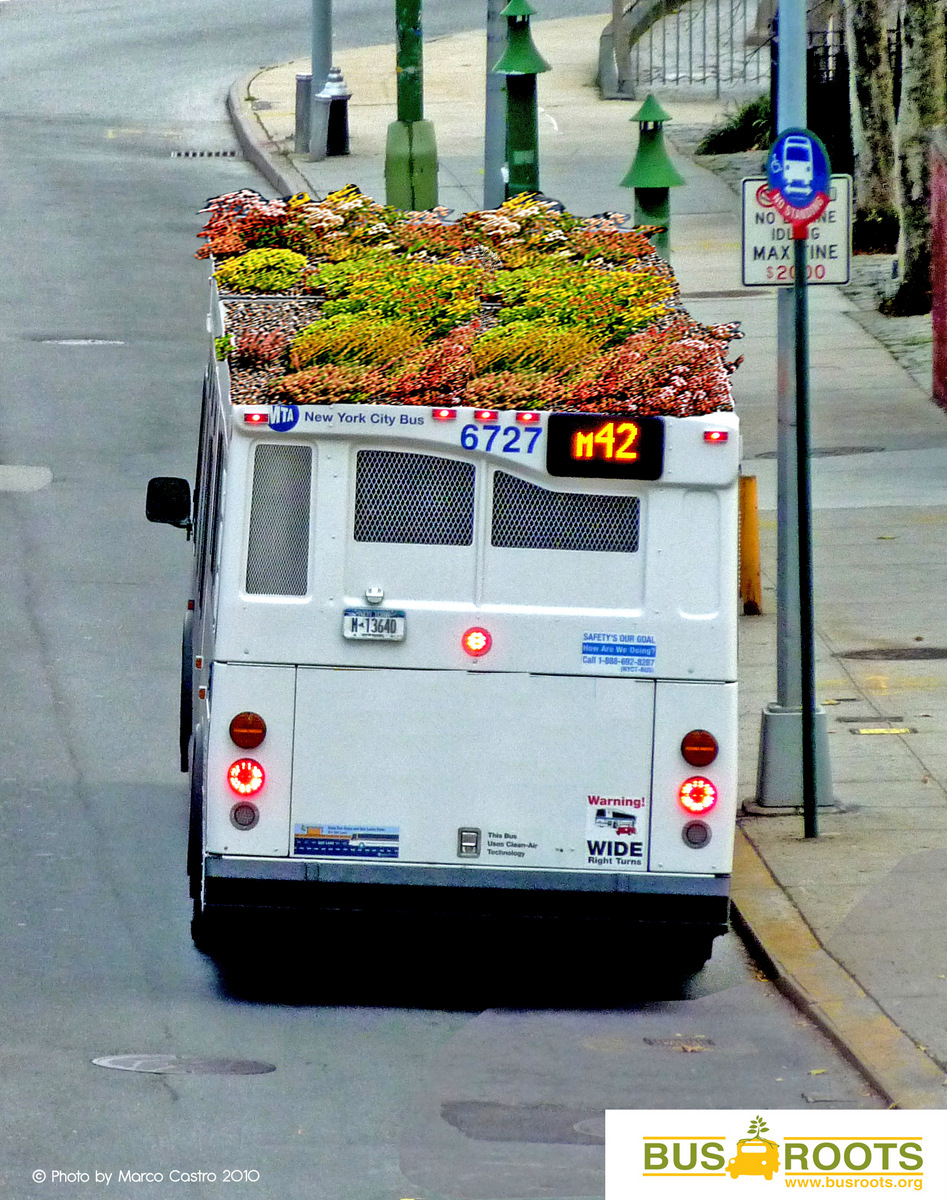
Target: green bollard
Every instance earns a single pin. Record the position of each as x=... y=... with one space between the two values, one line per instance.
x=652 y=174
x=411 y=148
x=521 y=63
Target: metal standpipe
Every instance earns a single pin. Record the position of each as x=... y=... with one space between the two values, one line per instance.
x=303 y=114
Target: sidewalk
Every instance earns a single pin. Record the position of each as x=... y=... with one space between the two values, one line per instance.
x=855 y=922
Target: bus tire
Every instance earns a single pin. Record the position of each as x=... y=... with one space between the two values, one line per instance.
x=187 y=689
x=695 y=951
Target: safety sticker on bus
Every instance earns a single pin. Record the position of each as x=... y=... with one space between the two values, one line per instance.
x=619 y=653
x=346 y=841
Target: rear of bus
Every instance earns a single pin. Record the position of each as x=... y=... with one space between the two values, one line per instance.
x=471 y=662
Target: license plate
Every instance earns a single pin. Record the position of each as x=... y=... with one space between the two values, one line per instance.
x=373 y=624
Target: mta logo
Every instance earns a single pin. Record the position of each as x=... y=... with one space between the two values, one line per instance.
x=283 y=417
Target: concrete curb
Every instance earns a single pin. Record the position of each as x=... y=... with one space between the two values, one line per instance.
x=272 y=164
x=822 y=989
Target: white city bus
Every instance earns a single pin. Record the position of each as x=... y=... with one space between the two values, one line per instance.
x=460 y=661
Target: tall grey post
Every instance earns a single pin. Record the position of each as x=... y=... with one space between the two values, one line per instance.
x=779 y=779
x=321 y=62
x=494 y=128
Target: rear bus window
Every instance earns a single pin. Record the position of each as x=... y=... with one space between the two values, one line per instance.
x=278 y=543
x=413 y=499
x=529 y=517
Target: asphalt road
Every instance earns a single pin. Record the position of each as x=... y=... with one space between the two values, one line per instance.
x=376 y=1093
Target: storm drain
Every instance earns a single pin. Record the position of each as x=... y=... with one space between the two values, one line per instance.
x=203 y=153
x=171 y=1064
x=683 y=1043
x=896 y=654
x=829 y=451
x=549 y=1124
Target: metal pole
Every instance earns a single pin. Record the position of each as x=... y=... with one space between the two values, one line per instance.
x=788 y=766
x=410 y=69
x=321 y=62
x=804 y=514
x=494 y=130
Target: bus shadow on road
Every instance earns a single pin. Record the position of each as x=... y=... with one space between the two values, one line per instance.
x=466 y=967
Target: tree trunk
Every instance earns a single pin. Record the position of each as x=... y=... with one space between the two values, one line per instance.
x=922 y=109
x=872 y=106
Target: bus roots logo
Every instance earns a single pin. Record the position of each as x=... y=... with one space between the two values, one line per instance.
x=821 y=1162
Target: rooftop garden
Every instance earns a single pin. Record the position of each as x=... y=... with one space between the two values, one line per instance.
x=525 y=306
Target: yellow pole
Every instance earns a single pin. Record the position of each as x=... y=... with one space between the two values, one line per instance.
x=751 y=588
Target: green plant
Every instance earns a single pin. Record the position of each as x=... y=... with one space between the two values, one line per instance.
x=608 y=305
x=749 y=128
x=269 y=270
x=431 y=297
x=223 y=347
x=352 y=339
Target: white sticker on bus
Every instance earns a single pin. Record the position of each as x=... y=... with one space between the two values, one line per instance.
x=346 y=841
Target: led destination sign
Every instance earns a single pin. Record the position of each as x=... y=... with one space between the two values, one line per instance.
x=605 y=447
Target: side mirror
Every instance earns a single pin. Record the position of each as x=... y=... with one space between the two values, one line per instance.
x=168 y=502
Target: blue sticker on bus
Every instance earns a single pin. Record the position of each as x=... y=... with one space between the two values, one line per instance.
x=624 y=653
x=346 y=841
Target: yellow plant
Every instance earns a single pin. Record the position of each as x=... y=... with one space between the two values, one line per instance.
x=352 y=339
x=532 y=346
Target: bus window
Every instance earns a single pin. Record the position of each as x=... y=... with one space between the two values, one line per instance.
x=413 y=499
x=278 y=541
x=528 y=517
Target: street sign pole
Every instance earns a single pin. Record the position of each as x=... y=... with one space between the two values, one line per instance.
x=799 y=179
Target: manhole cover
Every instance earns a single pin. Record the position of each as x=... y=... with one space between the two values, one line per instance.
x=547 y=1124
x=829 y=451
x=896 y=653
x=171 y=1064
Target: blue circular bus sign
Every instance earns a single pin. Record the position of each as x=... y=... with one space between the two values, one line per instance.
x=799 y=174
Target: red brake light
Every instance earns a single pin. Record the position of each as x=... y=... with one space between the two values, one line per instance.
x=697 y=795
x=484 y=414
x=716 y=435
x=444 y=414
x=476 y=642
x=256 y=418
x=699 y=748
x=528 y=418
x=245 y=777
x=247 y=730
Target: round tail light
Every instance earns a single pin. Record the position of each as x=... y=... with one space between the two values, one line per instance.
x=699 y=748
x=697 y=795
x=247 y=730
x=245 y=777
x=476 y=642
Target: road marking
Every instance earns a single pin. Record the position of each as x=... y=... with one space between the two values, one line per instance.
x=24 y=479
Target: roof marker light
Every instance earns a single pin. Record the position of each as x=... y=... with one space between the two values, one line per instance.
x=444 y=414
x=485 y=414
x=256 y=418
x=716 y=435
x=528 y=418
x=476 y=641
x=245 y=777
x=697 y=795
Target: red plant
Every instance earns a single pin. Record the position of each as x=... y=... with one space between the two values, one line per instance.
x=257 y=346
